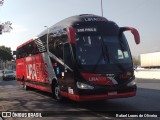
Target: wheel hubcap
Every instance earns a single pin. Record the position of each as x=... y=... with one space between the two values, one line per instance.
x=57 y=90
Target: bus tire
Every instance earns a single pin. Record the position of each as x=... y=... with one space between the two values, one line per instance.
x=25 y=87
x=57 y=93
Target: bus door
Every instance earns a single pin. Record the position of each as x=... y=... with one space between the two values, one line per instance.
x=68 y=68
x=64 y=71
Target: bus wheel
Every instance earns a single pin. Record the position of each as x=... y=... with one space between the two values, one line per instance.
x=25 y=87
x=57 y=94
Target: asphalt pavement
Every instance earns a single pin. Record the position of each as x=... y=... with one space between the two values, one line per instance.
x=14 y=98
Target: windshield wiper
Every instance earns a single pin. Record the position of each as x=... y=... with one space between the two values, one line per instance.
x=105 y=55
x=105 y=51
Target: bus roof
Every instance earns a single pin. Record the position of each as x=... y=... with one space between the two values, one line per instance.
x=25 y=43
x=71 y=21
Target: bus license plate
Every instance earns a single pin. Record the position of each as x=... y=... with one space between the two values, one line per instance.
x=112 y=93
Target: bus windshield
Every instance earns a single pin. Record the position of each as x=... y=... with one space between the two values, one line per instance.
x=100 y=50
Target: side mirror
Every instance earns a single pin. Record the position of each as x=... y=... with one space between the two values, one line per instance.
x=133 y=31
x=71 y=35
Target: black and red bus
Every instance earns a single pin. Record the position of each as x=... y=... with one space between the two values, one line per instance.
x=83 y=58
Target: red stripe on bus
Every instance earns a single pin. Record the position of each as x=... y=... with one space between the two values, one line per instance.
x=97 y=97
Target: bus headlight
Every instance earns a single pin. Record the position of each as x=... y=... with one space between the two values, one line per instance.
x=81 y=85
x=132 y=83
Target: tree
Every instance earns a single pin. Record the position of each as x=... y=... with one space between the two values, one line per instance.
x=1 y=2
x=1 y=28
x=5 y=53
x=6 y=26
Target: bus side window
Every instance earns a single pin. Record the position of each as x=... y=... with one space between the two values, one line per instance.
x=30 y=49
x=52 y=46
x=59 y=50
x=35 y=48
x=24 y=51
x=44 y=40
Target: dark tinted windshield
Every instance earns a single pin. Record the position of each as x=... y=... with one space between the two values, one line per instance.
x=93 y=50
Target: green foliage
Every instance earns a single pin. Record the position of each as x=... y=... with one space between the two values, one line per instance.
x=5 y=53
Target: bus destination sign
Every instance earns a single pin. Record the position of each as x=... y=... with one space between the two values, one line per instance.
x=79 y=30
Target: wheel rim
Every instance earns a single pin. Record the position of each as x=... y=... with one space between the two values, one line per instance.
x=24 y=85
x=57 y=92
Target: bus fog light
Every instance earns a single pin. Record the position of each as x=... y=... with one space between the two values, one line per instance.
x=132 y=83
x=81 y=85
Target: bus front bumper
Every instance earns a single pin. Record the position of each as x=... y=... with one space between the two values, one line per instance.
x=110 y=95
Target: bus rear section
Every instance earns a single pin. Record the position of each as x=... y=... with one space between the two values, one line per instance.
x=33 y=66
